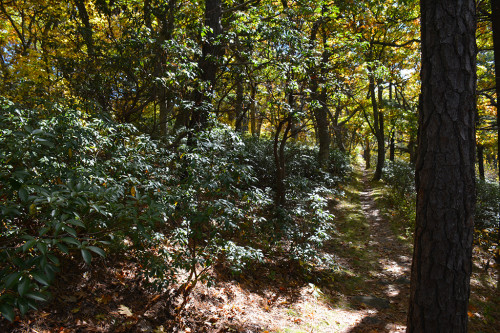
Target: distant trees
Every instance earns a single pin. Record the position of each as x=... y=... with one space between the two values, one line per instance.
x=442 y=259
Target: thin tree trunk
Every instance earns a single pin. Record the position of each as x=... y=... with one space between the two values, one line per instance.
x=367 y=154
x=253 y=111
x=378 y=125
x=208 y=64
x=392 y=147
x=445 y=181
x=480 y=160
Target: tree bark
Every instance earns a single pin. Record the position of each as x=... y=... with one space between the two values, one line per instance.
x=392 y=146
x=279 y=161
x=367 y=154
x=480 y=160
x=445 y=182
x=378 y=126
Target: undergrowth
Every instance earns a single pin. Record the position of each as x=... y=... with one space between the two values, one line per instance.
x=75 y=186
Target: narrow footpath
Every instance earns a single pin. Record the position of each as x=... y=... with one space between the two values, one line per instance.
x=387 y=276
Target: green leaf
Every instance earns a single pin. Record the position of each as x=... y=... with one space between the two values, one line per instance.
x=42 y=247
x=23 y=287
x=76 y=222
x=63 y=248
x=7 y=312
x=53 y=258
x=28 y=245
x=23 y=306
x=71 y=240
x=97 y=250
x=45 y=142
x=87 y=257
x=70 y=231
x=23 y=194
x=43 y=231
x=11 y=279
x=37 y=296
x=41 y=278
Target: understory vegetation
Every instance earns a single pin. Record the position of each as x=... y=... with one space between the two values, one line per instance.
x=399 y=176
x=75 y=186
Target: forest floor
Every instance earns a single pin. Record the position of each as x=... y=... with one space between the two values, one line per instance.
x=366 y=290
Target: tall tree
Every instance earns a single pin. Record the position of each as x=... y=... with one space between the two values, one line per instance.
x=442 y=258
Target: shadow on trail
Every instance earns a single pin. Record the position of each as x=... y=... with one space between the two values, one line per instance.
x=371 y=280
x=376 y=275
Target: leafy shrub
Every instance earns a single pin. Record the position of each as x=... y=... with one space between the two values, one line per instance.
x=303 y=225
x=487 y=215
x=339 y=165
x=400 y=175
x=69 y=185
x=75 y=186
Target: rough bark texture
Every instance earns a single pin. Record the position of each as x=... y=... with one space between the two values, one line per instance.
x=440 y=278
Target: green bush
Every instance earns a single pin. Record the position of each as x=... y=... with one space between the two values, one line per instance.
x=339 y=165
x=303 y=225
x=400 y=176
x=487 y=215
x=70 y=184
x=77 y=187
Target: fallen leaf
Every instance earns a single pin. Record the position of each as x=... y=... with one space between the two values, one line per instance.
x=104 y=299
x=123 y=310
x=70 y=299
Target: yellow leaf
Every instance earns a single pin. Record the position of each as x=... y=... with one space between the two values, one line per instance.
x=70 y=153
x=132 y=191
x=33 y=209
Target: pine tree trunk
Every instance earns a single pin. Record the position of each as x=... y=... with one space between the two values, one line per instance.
x=442 y=258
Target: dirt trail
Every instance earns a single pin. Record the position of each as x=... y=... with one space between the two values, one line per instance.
x=387 y=282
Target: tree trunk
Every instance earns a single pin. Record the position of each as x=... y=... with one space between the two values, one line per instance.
x=208 y=64
x=412 y=150
x=320 y=97
x=392 y=147
x=323 y=134
x=253 y=111
x=378 y=125
x=367 y=154
x=480 y=160
x=279 y=161
x=239 y=109
x=445 y=182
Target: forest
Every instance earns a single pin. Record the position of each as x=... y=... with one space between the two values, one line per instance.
x=249 y=166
